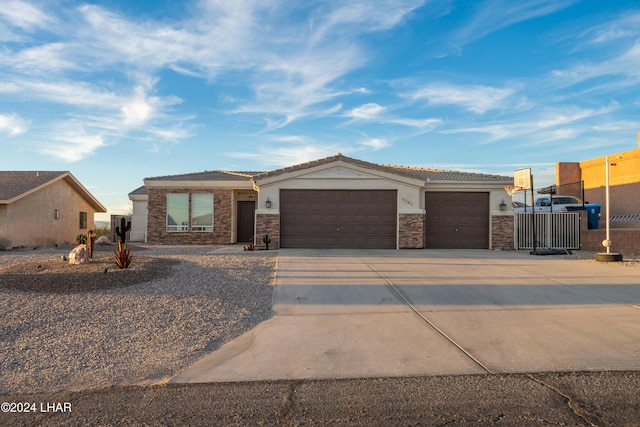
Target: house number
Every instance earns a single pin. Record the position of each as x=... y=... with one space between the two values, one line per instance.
x=408 y=202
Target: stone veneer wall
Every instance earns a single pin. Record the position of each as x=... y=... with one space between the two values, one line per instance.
x=268 y=224
x=411 y=231
x=502 y=232
x=157 y=218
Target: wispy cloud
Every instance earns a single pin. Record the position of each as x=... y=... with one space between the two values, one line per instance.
x=279 y=156
x=23 y=15
x=494 y=15
x=12 y=124
x=548 y=127
x=424 y=125
x=476 y=98
x=375 y=143
x=626 y=26
x=361 y=15
x=291 y=58
x=70 y=142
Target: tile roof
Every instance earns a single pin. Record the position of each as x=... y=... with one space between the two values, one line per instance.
x=424 y=174
x=140 y=191
x=206 y=176
x=437 y=175
x=331 y=159
x=15 y=183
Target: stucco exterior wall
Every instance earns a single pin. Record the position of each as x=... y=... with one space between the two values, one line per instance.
x=3 y=221
x=31 y=219
x=408 y=195
x=157 y=216
x=138 y=231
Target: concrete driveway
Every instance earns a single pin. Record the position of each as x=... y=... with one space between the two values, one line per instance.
x=382 y=313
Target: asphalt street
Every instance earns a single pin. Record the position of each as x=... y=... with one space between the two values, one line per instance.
x=570 y=399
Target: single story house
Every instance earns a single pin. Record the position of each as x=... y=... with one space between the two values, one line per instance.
x=334 y=202
x=44 y=208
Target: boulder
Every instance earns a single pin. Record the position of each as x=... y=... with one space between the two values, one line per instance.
x=102 y=240
x=79 y=255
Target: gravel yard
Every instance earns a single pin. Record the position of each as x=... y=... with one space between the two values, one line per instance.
x=78 y=327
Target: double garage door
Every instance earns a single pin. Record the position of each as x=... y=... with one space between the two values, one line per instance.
x=338 y=219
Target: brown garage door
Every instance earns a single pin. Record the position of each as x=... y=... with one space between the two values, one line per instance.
x=457 y=220
x=338 y=219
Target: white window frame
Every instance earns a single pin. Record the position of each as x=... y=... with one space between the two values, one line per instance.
x=177 y=228
x=196 y=228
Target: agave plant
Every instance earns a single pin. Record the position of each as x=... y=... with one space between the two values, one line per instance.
x=123 y=256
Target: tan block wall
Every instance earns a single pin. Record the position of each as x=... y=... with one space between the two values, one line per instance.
x=502 y=232
x=411 y=231
x=157 y=218
x=623 y=199
x=30 y=220
x=624 y=180
x=268 y=224
x=624 y=241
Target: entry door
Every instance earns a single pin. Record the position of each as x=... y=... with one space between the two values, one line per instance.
x=246 y=214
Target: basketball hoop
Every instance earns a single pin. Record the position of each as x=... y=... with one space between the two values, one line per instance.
x=522 y=179
x=511 y=190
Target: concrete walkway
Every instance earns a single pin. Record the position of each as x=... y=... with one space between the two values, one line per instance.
x=386 y=313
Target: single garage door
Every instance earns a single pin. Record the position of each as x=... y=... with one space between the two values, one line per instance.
x=338 y=219
x=457 y=220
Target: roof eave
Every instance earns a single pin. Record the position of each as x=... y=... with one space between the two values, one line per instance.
x=202 y=184
x=95 y=204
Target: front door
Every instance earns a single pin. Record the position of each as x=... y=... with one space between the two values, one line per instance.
x=246 y=211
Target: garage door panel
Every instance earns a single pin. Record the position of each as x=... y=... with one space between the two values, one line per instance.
x=457 y=220
x=338 y=218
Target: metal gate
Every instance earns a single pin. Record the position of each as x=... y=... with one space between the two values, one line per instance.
x=559 y=230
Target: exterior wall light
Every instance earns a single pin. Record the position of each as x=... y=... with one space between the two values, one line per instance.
x=56 y=214
x=503 y=206
x=268 y=203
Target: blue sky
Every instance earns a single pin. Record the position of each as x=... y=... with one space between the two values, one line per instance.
x=116 y=90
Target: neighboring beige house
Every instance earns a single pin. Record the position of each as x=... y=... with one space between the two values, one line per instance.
x=335 y=202
x=44 y=208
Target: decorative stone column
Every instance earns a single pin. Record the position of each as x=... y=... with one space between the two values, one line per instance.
x=502 y=232
x=268 y=224
x=411 y=231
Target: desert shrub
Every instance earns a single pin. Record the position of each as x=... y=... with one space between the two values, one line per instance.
x=102 y=230
x=5 y=244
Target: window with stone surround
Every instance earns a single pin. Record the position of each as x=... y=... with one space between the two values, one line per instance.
x=202 y=212
x=178 y=212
